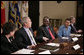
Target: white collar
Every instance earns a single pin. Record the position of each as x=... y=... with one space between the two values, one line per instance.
x=26 y=28
x=72 y=24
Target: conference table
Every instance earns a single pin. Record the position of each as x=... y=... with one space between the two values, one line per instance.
x=65 y=47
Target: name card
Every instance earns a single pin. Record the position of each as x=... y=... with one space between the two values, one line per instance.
x=72 y=34
x=45 y=52
x=78 y=35
x=65 y=38
x=75 y=39
x=76 y=46
x=53 y=44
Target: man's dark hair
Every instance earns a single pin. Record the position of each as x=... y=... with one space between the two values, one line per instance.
x=8 y=27
x=67 y=19
x=45 y=17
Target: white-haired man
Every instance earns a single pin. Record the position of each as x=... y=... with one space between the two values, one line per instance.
x=24 y=36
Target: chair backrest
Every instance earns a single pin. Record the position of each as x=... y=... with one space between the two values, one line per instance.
x=35 y=32
x=56 y=29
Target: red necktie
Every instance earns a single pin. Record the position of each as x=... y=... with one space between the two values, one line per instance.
x=51 y=34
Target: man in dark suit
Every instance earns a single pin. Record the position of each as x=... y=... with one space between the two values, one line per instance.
x=24 y=36
x=73 y=28
x=45 y=32
x=8 y=46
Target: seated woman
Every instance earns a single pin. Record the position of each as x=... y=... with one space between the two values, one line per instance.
x=8 y=46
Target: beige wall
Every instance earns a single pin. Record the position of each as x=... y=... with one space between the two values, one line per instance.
x=54 y=10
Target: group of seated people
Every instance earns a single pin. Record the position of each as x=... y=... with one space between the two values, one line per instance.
x=24 y=38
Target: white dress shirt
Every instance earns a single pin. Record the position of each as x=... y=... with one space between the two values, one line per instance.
x=30 y=37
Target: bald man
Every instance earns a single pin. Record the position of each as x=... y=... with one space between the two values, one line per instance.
x=46 y=32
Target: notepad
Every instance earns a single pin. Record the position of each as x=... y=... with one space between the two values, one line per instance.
x=75 y=39
x=72 y=34
x=78 y=35
x=24 y=51
x=76 y=46
x=45 y=52
x=56 y=50
x=65 y=38
x=53 y=44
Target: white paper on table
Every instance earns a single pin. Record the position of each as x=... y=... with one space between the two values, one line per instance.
x=24 y=51
x=78 y=35
x=72 y=34
x=76 y=46
x=56 y=50
x=53 y=44
x=45 y=52
x=75 y=39
x=65 y=38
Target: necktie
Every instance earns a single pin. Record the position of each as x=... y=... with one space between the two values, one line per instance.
x=51 y=34
x=31 y=36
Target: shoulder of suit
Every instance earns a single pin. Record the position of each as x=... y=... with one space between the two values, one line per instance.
x=30 y=28
x=70 y=27
x=41 y=27
x=3 y=37
x=62 y=26
x=20 y=30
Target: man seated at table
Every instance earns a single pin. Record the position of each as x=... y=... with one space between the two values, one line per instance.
x=8 y=46
x=64 y=30
x=73 y=28
x=24 y=36
x=46 y=32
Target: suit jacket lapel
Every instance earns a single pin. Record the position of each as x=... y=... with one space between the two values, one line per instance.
x=74 y=28
x=46 y=32
x=6 y=40
x=25 y=35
